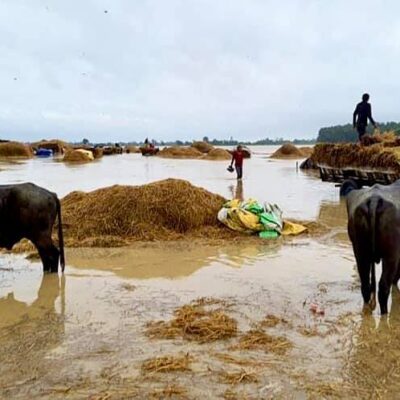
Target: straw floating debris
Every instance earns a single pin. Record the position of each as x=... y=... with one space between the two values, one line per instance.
x=194 y=322
x=257 y=339
x=15 y=149
x=167 y=364
x=236 y=377
x=164 y=210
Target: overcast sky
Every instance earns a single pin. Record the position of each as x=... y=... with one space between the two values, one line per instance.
x=181 y=69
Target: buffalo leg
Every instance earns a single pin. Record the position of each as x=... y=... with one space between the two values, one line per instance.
x=389 y=269
x=49 y=254
x=364 y=267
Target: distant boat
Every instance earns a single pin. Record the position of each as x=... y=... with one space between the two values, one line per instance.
x=44 y=152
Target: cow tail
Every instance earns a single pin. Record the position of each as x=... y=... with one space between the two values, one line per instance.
x=373 y=209
x=60 y=236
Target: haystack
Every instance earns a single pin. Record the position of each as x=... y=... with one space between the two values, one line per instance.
x=288 y=151
x=203 y=147
x=57 y=146
x=161 y=210
x=78 y=155
x=132 y=149
x=306 y=151
x=15 y=149
x=180 y=152
x=376 y=156
x=218 y=154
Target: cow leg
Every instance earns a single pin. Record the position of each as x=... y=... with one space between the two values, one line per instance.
x=363 y=266
x=389 y=269
x=49 y=254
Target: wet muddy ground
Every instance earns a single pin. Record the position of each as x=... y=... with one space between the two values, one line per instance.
x=84 y=335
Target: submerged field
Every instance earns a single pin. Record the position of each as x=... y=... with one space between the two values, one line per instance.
x=192 y=320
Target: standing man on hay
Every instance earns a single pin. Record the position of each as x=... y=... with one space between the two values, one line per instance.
x=237 y=157
x=361 y=115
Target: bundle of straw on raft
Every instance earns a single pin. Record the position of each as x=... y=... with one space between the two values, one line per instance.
x=78 y=155
x=161 y=210
x=203 y=147
x=15 y=149
x=218 y=154
x=180 y=152
x=132 y=149
x=376 y=156
x=289 y=151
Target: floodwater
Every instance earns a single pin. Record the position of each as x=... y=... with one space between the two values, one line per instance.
x=83 y=335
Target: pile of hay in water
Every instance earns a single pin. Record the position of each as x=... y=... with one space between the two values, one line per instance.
x=203 y=147
x=163 y=210
x=376 y=156
x=195 y=322
x=57 y=146
x=289 y=151
x=78 y=155
x=132 y=149
x=218 y=154
x=15 y=149
x=180 y=152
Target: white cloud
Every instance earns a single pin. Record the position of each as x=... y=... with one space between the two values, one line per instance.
x=184 y=69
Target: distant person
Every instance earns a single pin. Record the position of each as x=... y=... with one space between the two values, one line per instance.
x=237 y=158
x=361 y=115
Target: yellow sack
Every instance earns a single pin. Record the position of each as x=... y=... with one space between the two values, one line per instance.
x=291 y=228
x=248 y=220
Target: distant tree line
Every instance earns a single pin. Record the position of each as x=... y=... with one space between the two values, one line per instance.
x=346 y=133
x=215 y=142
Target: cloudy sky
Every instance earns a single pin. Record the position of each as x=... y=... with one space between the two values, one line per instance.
x=182 y=69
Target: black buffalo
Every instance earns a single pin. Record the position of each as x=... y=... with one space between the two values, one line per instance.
x=29 y=211
x=374 y=230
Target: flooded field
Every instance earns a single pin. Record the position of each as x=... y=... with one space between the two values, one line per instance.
x=86 y=335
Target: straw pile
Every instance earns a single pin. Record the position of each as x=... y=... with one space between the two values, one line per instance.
x=132 y=149
x=375 y=156
x=58 y=146
x=15 y=149
x=289 y=151
x=203 y=147
x=179 y=152
x=161 y=210
x=78 y=155
x=218 y=154
x=194 y=322
x=257 y=339
x=167 y=364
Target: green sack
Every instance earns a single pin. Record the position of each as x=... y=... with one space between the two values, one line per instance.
x=268 y=234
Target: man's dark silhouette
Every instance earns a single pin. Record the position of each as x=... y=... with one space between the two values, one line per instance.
x=361 y=115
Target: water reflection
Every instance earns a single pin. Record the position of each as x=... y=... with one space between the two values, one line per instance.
x=14 y=311
x=374 y=362
x=237 y=190
x=27 y=334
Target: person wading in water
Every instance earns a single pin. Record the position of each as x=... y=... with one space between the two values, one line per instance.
x=361 y=115
x=237 y=157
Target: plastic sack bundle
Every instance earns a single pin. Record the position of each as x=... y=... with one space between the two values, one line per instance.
x=251 y=217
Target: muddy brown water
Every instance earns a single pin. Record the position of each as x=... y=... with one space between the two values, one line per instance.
x=83 y=335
